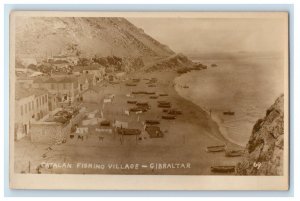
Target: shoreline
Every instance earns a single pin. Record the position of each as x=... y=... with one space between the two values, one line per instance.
x=219 y=135
x=214 y=117
x=185 y=138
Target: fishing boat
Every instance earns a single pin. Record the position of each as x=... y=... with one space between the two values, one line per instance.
x=138 y=109
x=135 y=80
x=143 y=104
x=105 y=123
x=163 y=94
x=130 y=84
x=169 y=117
x=128 y=131
x=228 y=113
x=164 y=105
x=175 y=112
x=185 y=86
x=131 y=102
x=213 y=65
x=152 y=122
x=154 y=132
x=217 y=148
x=223 y=169
x=153 y=97
x=234 y=153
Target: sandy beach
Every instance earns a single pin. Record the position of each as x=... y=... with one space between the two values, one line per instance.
x=233 y=86
x=185 y=138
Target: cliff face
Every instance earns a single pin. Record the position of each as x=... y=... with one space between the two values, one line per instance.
x=84 y=36
x=264 y=151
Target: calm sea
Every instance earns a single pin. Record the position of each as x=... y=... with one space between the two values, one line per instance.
x=245 y=86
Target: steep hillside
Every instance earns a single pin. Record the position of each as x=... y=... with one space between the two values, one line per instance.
x=174 y=62
x=84 y=36
x=265 y=147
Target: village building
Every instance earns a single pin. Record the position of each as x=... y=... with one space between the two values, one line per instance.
x=95 y=69
x=64 y=88
x=86 y=81
x=92 y=95
x=30 y=106
x=51 y=129
x=26 y=82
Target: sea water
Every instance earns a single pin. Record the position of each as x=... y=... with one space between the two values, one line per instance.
x=247 y=87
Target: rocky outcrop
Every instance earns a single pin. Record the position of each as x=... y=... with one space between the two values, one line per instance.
x=174 y=62
x=264 y=151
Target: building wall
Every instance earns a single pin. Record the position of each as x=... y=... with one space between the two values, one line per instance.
x=61 y=89
x=91 y=96
x=23 y=116
x=51 y=132
x=41 y=106
x=28 y=110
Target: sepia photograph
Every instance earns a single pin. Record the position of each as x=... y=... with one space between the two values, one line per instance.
x=163 y=95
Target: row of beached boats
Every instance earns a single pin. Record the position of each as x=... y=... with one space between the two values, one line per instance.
x=228 y=153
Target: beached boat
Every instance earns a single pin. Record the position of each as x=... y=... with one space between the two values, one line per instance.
x=175 y=112
x=131 y=102
x=185 y=86
x=142 y=104
x=223 y=169
x=217 y=148
x=234 y=153
x=154 y=132
x=163 y=94
x=163 y=102
x=153 y=97
x=213 y=65
x=228 y=113
x=143 y=92
x=164 y=105
x=151 y=85
x=138 y=109
x=169 y=117
x=152 y=122
x=135 y=80
x=105 y=123
x=130 y=84
x=128 y=131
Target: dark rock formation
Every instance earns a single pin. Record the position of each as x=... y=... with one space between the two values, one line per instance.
x=264 y=151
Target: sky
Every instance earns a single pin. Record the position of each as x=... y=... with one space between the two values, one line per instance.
x=195 y=35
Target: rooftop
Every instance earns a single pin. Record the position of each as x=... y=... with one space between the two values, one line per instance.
x=56 y=79
x=21 y=92
x=89 y=67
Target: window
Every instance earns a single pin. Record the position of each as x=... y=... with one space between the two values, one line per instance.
x=43 y=100
x=37 y=103
x=32 y=105
x=29 y=106
x=46 y=98
x=21 y=109
x=25 y=108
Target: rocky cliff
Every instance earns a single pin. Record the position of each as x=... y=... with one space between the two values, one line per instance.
x=174 y=62
x=85 y=37
x=264 y=151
